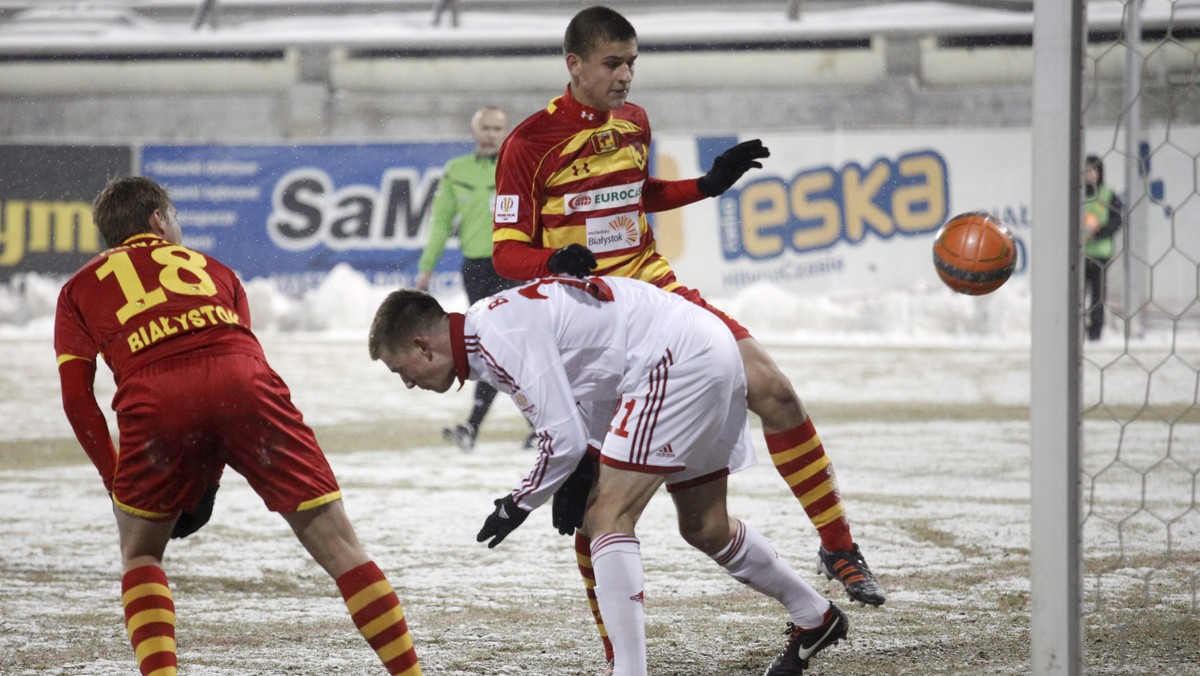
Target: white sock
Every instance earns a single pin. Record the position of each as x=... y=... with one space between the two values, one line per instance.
x=751 y=560
x=617 y=563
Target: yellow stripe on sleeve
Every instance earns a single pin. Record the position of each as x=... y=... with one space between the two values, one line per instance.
x=510 y=235
x=64 y=358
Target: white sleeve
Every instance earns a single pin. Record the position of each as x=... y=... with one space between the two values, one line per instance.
x=541 y=389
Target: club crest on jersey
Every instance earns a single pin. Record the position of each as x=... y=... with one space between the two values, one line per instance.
x=606 y=141
x=613 y=233
x=506 y=208
x=524 y=404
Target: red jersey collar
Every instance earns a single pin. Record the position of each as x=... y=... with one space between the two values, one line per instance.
x=570 y=106
x=458 y=346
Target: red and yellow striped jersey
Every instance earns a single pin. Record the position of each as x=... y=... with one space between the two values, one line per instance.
x=148 y=300
x=572 y=174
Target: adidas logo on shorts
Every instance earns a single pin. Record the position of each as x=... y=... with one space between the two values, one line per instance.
x=665 y=452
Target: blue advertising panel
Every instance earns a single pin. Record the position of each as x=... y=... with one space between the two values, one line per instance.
x=294 y=212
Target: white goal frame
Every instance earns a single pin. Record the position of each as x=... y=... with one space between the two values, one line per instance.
x=1056 y=572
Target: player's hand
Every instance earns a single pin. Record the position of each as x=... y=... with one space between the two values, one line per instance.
x=501 y=522
x=189 y=523
x=570 y=500
x=729 y=166
x=421 y=283
x=572 y=259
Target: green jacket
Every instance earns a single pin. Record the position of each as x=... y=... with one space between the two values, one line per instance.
x=464 y=198
x=1106 y=207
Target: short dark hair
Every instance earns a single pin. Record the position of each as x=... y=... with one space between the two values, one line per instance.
x=594 y=26
x=1095 y=161
x=403 y=315
x=124 y=207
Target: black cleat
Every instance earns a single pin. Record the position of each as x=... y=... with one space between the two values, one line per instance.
x=850 y=568
x=802 y=644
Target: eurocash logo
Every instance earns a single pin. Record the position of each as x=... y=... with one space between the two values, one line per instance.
x=603 y=198
x=823 y=206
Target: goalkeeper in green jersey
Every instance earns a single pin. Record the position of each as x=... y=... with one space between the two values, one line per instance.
x=464 y=200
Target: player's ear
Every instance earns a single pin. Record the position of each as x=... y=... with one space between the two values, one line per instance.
x=422 y=343
x=157 y=222
x=574 y=64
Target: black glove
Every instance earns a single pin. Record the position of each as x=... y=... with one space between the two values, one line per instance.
x=572 y=259
x=570 y=500
x=501 y=522
x=730 y=165
x=189 y=523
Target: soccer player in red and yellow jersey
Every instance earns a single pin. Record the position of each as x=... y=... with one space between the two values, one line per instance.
x=194 y=394
x=572 y=193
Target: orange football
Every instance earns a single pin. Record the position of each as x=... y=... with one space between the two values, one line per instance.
x=974 y=253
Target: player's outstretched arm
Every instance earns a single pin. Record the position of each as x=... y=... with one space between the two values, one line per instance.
x=730 y=165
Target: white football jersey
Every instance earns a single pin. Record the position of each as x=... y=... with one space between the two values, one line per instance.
x=561 y=340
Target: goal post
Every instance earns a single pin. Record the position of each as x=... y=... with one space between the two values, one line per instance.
x=1115 y=421
x=1056 y=625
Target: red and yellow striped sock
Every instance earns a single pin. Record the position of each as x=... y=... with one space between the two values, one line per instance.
x=800 y=459
x=583 y=555
x=150 y=619
x=376 y=612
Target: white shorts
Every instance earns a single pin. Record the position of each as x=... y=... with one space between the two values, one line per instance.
x=685 y=417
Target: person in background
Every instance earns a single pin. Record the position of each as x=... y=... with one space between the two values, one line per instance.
x=1102 y=218
x=194 y=394
x=680 y=421
x=464 y=201
x=572 y=192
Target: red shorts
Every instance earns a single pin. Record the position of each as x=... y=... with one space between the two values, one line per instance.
x=182 y=421
x=739 y=332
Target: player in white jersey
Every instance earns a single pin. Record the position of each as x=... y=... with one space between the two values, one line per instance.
x=676 y=374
